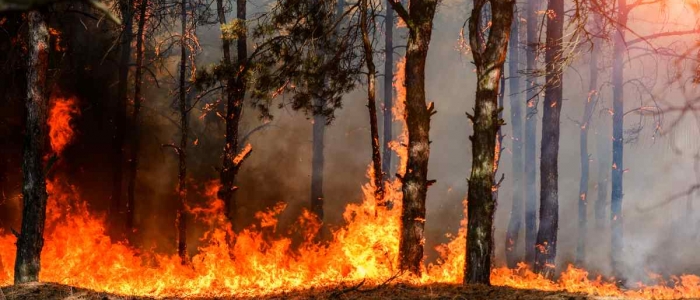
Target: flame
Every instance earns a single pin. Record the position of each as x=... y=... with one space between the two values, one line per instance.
x=398 y=111
x=78 y=252
x=60 y=131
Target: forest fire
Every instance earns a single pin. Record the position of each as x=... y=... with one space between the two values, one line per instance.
x=364 y=249
x=152 y=202
x=79 y=253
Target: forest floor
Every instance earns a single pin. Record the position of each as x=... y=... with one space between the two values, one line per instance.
x=52 y=291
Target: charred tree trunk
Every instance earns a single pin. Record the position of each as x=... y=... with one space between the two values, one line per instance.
x=181 y=217
x=388 y=93
x=549 y=194
x=516 y=117
x=489 y=56
x=136 y=115
x=235 y=94
x=371 y=102
x=125 y=7
x=531 y=133
x=31 y=237
x=618 y=139
x=415 y=182
x=585 y=157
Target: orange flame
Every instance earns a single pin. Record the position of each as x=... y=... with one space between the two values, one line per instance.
x=78 y=252
x=398 y=111
x=60 y=116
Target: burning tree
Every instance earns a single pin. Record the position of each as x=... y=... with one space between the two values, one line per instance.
x=549 y=195
x=235 y=91
x=489 y=51
x=30 y=240
x=415 y=183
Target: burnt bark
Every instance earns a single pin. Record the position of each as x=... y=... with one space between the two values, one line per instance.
x=235 y=94
x=516 y=121
x=415 y=182
x=489 y=57
x=549 y=176
x=136 y=116
x=388 y=91
x=530 y=160
x=181 y=216
x=31 y=238
x=371 y=102
x=117 y=211
x=618 y=139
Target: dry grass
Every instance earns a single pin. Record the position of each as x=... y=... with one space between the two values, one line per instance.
x=52 y=291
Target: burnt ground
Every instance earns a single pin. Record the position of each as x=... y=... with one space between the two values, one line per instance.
x=52 y=291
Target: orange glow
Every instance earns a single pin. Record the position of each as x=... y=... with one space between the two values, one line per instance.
x=399 y=111
x=78 y=252
x=366 y=248
x=60 y=131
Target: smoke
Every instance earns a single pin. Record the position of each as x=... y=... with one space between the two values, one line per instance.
x=660 y=240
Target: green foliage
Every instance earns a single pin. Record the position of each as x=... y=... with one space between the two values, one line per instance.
x=308 y=60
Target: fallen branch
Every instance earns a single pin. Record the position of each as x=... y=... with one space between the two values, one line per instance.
x=385 y=283
x=347 y=290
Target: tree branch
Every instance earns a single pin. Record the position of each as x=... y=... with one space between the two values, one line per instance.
x=402 y=12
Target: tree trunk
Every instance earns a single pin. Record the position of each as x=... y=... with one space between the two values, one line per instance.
x=235 y=94
x=549 y=176
x=603 y=154
x=135 y=131
x=618 y=139
x=489 y=57
x=531 y=133
x=181 y=217
x=317 y=161
x=585 y=157
x=372 y=103
x=415 y=182
x=388 y=93
x=31 y=237
x=125 y=7
x=516 y=213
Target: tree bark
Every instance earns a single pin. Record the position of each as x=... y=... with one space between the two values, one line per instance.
x=585 y=157
x=415 y=182
x=603 y=154
x=388 y=91
x=618 y=139
x=531 y=133
x=181 y=217
x=136 y=115
x=516 y=213
x=371 y=102
x=549 y=176
x=31 y=237
x=117 y=213
x=235 y=94
x=317 y=162
x=489 y=56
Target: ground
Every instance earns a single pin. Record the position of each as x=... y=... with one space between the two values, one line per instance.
x=396 y=291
